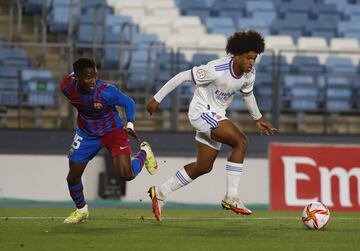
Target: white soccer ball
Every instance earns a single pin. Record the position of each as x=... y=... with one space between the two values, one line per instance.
x=316 y=215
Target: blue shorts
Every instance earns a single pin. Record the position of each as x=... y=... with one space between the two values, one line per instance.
x=84 y=147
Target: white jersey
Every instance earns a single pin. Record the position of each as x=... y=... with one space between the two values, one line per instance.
x=216 y=85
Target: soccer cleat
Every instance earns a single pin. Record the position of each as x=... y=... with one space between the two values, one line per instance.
x=150 y=161
x=235 y=205
x=157 y=204
x=76 y=217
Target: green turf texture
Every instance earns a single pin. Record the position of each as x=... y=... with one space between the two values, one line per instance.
x=136 y=229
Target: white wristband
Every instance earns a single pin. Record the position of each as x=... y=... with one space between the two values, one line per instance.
x=130 y=125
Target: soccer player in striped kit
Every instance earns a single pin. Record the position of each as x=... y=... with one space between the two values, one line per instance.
x=215 y=86
x=99 y=125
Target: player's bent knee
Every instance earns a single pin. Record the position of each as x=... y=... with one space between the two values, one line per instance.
x=243 y=143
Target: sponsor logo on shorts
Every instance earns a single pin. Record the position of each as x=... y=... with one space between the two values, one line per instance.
x=123 y=147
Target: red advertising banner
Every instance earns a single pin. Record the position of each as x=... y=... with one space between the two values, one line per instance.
x=300 y=174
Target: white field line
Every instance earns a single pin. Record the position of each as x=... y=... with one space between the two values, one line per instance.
x=169 y=218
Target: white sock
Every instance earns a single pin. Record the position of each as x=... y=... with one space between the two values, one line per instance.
x=180 y=179
x=84 y=209
x=233 y=174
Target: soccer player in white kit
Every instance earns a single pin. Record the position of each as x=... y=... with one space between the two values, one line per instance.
x=215 y=86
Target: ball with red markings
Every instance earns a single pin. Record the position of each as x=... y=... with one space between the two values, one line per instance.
x=316 y=215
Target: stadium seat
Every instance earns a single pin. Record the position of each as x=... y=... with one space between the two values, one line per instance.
x=340 y=65
x=306 y=64
x=89 y=34
x=302 y=92
x=314 y=46
x=218 y=6
x=202 y=58
x=265 y=6
x=219 y=23
x=34 y=6
x=39 y=86
x=59 y=18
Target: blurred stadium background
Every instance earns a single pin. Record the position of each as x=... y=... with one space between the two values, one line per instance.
x=307 y=84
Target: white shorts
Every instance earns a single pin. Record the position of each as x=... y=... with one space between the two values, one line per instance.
x=203 y=126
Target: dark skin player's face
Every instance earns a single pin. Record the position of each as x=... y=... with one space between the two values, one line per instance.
x=244 y=63
x=86 y=79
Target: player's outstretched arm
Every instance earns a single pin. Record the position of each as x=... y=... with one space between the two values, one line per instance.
x=152 y=105
x=265 y=127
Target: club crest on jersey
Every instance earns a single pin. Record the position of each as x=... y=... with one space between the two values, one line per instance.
x=98 y=106
x=200 y=74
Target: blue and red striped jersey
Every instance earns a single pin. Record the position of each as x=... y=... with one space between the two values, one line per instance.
x=97 y=113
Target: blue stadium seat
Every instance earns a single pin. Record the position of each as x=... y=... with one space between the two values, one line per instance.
x=302 y=92
x=293 y=25
x=265 y=6
x=34 y=6
x=324 y=26
x=340 y=65
x=145 y=39
x=202 y=58
x=94 y=4
x=189 y=6
x=13 y=57
x=219 y=22
x=186 y=94
x=39 y=86
x=9 y=72
x=88 y=33
x=227 y=32
x=350 y=10
x=237 y=6
x=93 y=15
x=268 y=16
x=9 y=84
x=295 y=6
x=59 y=18
x=201 y=13
x=307 y=64
x=269 y=63
x=177 y=60
x=324 y=8
x=263 y=90
x=111 y=58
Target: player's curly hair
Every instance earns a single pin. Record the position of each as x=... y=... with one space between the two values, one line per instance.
x=245 y=41
x=83 y=63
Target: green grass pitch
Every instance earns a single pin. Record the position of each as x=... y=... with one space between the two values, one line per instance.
x=136 y=229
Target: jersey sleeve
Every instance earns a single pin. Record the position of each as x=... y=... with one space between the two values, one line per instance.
x=202 y=75
x=66 y=83
x=113 y=96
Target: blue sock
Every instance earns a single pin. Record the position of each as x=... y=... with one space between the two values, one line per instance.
x=138 y=162
x=76 y=193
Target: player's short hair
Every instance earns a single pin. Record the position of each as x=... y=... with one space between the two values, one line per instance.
x=83 y=63
x=245 y=41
